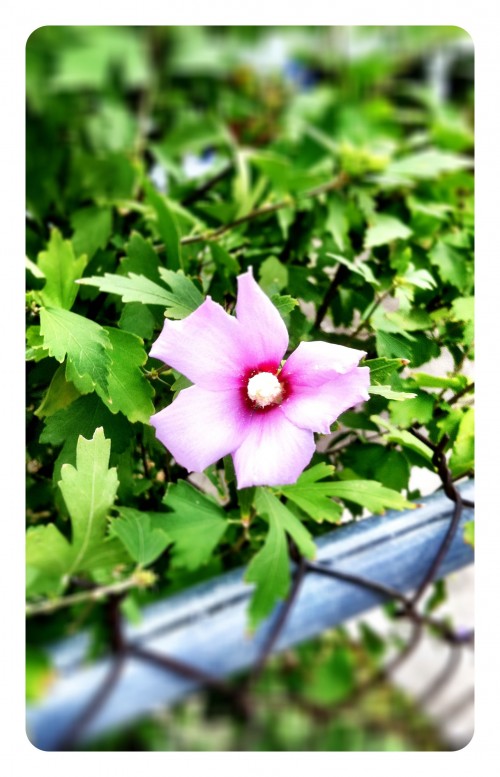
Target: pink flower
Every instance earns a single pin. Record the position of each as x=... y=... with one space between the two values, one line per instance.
x=244 y=401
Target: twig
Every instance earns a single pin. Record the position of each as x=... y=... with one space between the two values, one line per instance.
x=376 y=303
x=97 y=701
x=380 y=588
x=338 y=278
x=237 y=697
x=461 y=393
x=280 y=621
x=141 y=578
x=118 y=646
x=264 y=210
x=195 y=194
x=179 y=667
x=439 y=461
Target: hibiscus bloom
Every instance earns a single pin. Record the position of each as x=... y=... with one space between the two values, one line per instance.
x=244 y=401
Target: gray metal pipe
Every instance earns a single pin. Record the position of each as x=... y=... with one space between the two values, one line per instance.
x=206 y=626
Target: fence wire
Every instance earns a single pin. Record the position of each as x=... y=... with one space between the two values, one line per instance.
x=240 y=694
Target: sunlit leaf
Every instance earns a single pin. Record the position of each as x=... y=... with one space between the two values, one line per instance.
x=143 y=543
x=61 y=269
x=82 y=342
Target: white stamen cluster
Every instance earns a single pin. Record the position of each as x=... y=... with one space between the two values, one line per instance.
x=264 y=389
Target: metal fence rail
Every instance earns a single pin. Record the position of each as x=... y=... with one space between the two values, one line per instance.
x=206 y=626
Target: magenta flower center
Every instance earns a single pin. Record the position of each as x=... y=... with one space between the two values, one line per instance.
x=264 y=389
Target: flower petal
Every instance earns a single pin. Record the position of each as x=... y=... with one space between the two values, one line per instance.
x=265 y=329
x=207 y=347
x=317 y=407
x=311 y=364
x=201 y=426
x=274 y=451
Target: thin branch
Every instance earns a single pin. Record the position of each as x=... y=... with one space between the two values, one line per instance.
x=470 y=387
x=96 y=703
x=179 y=667
x=141 y=578
x=264 y=210
x=363 y=582
x=195 y=194
x=338 y=278
x=280 y=621
x=118 y=646
x=376 y=303
x=439 y=461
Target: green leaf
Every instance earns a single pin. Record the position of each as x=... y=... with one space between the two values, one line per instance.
x=370 y=494
x=427 y=164
x=86 y=63
x=268 y=505
x=50 y=555
x=436 y=210
x=196 y=524
x=91 y=229
x=89 y=491
x=273 y=276
x=284 y=176
x=269 y=570
x=384 y=229
x=451 y=264
x=353 y=420
x=284 y=304
x=180 y=383
x=393 y=470
x=333 y=679
x=141 y=258
x=469 y=532
x=167 y=226
x=33 y=269
x=388 y=393
x=418 y=410
x=317 y=472
x=421 y=279
x=382 y=370
x=405 y=439
x=142 y=541
x=462 y=456
x=103 y=558
x=40 y=674
x=463 y=308
x=60 y=394
x=315 y=498
x=455 y=382
x=129 y=391
x=357 y=266
x=137 y=288
x=224 y=261
x=137 y=319
x=390 y=345
x=411 y=320
x=83 y=416
x=132 y=288
x=61 y=269
x=336 y=221
x=85 y=344
x=438 y=596
x=187 y=297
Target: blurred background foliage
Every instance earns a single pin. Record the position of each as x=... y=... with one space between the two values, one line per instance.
x=155 y=149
